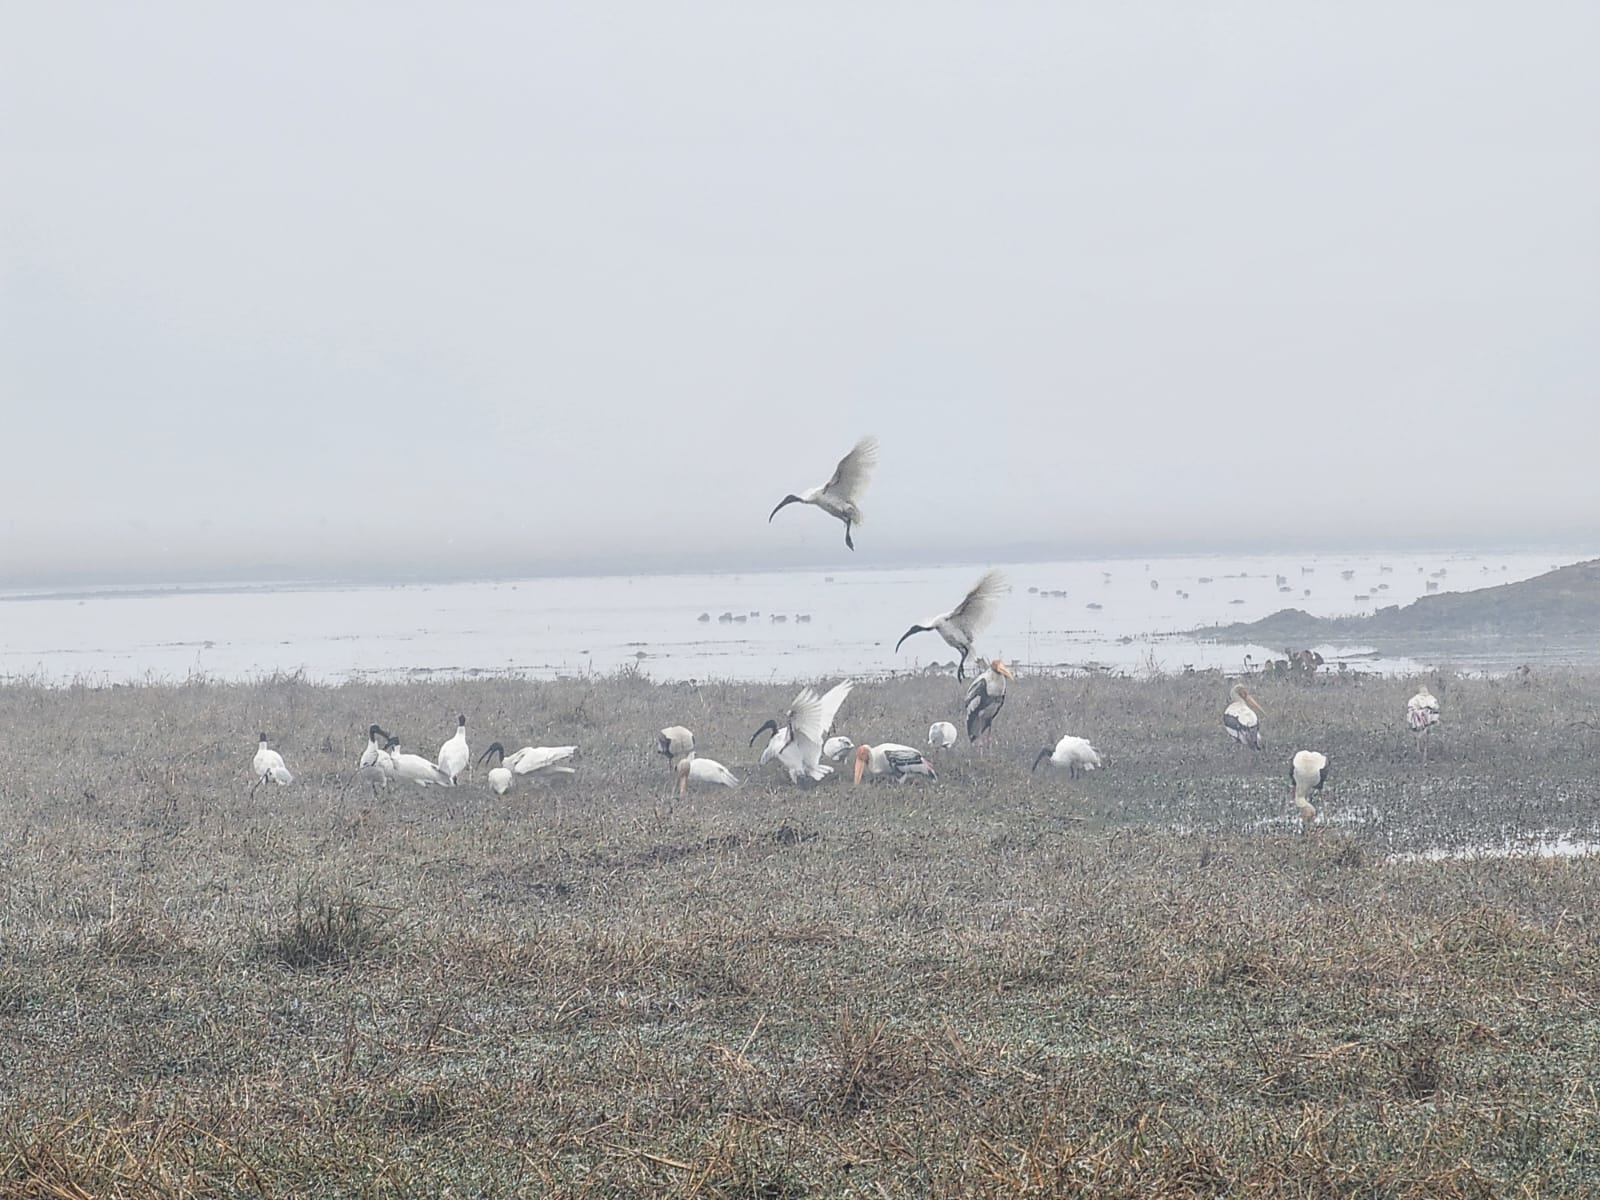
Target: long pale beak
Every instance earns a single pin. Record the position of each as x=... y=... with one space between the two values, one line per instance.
x=770 y=725
x=861 y=764
x=1005 y=670
x=683 y=783
x=1251 y=701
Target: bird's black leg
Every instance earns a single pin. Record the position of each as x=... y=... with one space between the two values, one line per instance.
x=961 y=667
x=847 y=540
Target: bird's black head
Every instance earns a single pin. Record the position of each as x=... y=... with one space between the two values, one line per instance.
x=392 y=743
x=908 y=633
x=496 y=749
x=461 y=722
x=771 y=726
x=1043 y=754
x=263 y=737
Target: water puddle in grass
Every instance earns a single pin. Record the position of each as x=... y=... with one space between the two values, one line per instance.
x=1549 y=846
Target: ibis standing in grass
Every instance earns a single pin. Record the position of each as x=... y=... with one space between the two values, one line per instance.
x=454 y=755
x=1308 y=771
x=1073 y=753
x=962 y=624
x=268 y=764
x=1422 y=714
x=841 y=496
x=1242 y=718
x=797 y=745
x=986 y=696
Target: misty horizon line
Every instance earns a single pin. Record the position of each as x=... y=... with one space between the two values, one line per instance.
x=240 y=573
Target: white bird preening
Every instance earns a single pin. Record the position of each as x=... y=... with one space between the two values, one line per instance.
x=962 y=624
x=376 y=766
x=537 y=762
x=897 y=761
x=1242 y=718
x=986 y=696
x=454 y=755
x=674 y=741
x=941 y=735
x=268 y=764
x=1422 y=714
x=702 y=770
x=835 y=749
x=1308 y=771
x=1073 y=753
x=798 y=743
x=841 y=496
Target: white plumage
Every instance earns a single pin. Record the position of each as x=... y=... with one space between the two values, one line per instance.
x=797 y=745
x=376 y=765
x=1422 y=714
x=962 y=624
x=674 y=741
x=1073 y=753
x=1308 y=771
x=835 y=749
x=986 y=696
x=892 y=759
x=703 y=770
x=1242 y=718
x=541 y=762
x=415 y=769
x=268 y=764
x=500 y=780
x=841 y=496
x=454 y=755
x=941 y=735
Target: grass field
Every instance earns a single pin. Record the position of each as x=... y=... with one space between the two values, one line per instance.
x=1147 y=982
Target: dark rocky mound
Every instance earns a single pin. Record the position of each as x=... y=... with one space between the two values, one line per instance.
x=1563 y=604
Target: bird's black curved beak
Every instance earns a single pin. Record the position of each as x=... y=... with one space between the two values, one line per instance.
x=908 y=633
x=494 y=748
x=770 y=725
x=1043 y=754
x=781 y=503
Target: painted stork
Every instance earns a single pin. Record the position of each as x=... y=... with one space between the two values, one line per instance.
x=986 y=696
x=898 y=762
x=268 y=764
x=797 y=744
x=1073 y=753
x=1242 y=718
x=1308 y=771
x=1422 y=714
x=841 y=496
x=962 y=624
x=702 y=770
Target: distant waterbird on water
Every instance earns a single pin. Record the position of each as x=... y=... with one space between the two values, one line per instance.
x=841 y=496
x=268 y=764
x=962 y=624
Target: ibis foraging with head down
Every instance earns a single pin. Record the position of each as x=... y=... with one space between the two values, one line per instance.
x=268 y=764
x=702 y=770
x=1308 y=771
x=1073 y=753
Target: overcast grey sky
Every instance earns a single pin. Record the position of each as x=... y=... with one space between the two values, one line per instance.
x=367 y=286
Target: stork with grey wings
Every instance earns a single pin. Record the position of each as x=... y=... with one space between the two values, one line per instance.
x=841 y=496
x=798 y=744
x=962 y=624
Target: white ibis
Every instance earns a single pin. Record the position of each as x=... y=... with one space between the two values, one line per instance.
x=986 y=696
x=674 y=742
x=1422 y=714
x=415 y=769
x=1308 y=771
x=835 y=749
x=454 y=755
x=539 y=762
x=798 y=743
x=1242 y=718
x=896 y=761
x=841 y=496
x=941 y=735
x=702 y=770
x=268 y=764
x=376 y=766
x=962 y=624
x=499 y=777
x=1073 y=753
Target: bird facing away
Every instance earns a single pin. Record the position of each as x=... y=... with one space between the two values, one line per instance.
x=674 y=741
x=1242 y=718
x=539 y=762
x=835 y=749
x=986 y=696
x=1308 y=771
x=268 y=764
x=841 y=496
x=962 y=624
x=1073 y=753
x=798 y=743
x=454 y=755
x=891 y=759
x=941 y=735
x=1422 y=714
x=702 y=770
x=416 y=769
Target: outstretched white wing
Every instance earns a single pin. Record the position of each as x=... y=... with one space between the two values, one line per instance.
x=810 y=718
x=854 y=472
x=974 y=612
x=531 y=760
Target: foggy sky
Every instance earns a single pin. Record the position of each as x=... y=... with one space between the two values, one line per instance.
x=375 y=287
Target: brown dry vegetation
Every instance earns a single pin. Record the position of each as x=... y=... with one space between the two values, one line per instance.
x=1145 y=983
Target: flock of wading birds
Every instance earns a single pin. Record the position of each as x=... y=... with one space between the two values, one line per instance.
x=801 y=743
